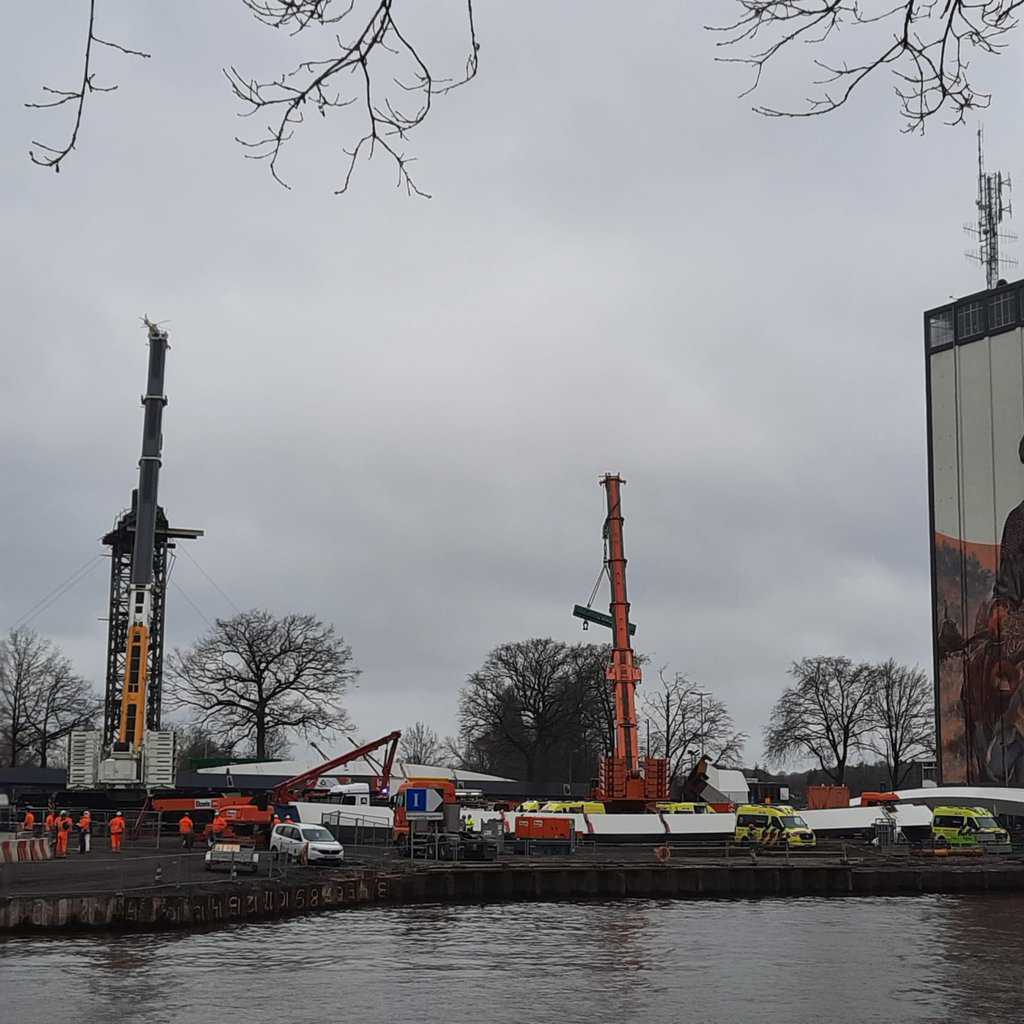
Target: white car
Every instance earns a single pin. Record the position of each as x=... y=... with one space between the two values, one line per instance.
x=293 y=841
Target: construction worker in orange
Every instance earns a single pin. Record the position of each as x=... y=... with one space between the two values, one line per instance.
x=64 y=826
x=116 y=832
x=29 y=824
x=217 y=829
x=187 y=831
x=84 y=832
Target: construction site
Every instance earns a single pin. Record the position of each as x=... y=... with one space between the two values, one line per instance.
x=123 y=839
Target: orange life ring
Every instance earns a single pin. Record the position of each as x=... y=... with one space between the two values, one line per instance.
x=662 y=853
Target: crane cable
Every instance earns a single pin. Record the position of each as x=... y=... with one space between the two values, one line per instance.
x=58 y=592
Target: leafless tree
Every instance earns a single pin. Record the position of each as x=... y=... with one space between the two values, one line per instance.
x=64 y=702
x=684 y=723
x=926 y=45
x=197 y=742
x=255 y=677
x=420 y=744
x=826 y=715
x=525 y=696
x=902 y=718
x=369 y=61
x=41 y=697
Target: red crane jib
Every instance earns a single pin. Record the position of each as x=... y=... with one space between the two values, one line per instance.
x=292 y=789
x=621 y=778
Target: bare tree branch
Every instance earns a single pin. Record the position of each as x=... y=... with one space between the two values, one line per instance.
x=52 y=156
x=421 y=745
x=343 y=79
x=927 y=45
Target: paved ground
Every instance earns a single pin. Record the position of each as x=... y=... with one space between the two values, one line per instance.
x=135 y=868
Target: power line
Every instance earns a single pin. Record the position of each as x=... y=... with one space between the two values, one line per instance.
x=58 y=592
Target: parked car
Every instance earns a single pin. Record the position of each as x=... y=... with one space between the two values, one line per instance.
x=313 y=841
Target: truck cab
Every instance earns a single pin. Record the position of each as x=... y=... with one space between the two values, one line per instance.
x=772 y=825
x=449 y=821
x=968 y=826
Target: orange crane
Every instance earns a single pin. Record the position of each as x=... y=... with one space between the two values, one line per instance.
x=624 y=783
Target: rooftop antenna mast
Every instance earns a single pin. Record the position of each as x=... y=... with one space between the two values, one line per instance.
x=993 y=205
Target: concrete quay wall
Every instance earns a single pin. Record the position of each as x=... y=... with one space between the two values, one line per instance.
x=257 y=899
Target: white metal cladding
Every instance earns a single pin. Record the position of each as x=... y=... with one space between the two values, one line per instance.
x=1007 y=423
x=945 y=458
x=974 y=408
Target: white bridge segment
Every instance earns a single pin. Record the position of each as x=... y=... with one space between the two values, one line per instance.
x=998 y=799
x=723 y=825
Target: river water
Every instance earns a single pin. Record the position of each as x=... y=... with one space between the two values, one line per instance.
x=657 y=962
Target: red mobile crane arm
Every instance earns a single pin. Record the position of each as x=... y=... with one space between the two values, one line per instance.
x=623 y=784
x=623 y=672
x=292 y=789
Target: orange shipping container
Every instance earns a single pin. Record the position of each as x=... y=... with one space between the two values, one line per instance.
x=529 y=826
x=820 y=798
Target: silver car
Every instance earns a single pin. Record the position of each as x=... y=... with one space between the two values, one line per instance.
x=313 y=842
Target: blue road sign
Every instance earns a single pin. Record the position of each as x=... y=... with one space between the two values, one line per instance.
x=416 y=800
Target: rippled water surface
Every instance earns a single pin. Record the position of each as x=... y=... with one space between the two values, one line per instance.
x=917 y=959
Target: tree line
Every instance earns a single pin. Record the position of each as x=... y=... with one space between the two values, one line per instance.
x=542 y=710
x=536 y=709
x=837 y=708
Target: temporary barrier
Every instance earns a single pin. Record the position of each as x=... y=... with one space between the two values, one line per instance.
x=14 y=850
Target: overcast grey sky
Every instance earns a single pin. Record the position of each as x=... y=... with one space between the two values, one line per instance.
x=393 y=412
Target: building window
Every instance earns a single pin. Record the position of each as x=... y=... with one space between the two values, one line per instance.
x=940 y=328
x=970 y=319
x=1002 y=311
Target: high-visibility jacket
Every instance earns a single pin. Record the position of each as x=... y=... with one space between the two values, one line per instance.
x=65 y=823
x=185 y=825
x=30 y=821
x=116 y=825
x=219 y=822
x=85 y=822
x=49 y=821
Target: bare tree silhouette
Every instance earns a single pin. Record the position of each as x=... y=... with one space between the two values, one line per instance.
x=927 y=45
x=370 y=63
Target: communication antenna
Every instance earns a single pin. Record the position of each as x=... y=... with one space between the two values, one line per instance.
x=993 y=205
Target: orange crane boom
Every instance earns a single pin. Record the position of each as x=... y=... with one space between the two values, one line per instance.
x=624 y=782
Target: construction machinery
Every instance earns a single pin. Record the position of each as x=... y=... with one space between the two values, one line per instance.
x=626 y=783
x=132 y=751
x=252 y=817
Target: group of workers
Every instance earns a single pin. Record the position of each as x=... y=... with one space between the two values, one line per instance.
x=58 y=826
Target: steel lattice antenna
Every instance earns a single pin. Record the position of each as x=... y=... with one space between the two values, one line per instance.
x=993 y=205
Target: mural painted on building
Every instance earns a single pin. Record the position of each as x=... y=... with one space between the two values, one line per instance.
x=976 y=398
